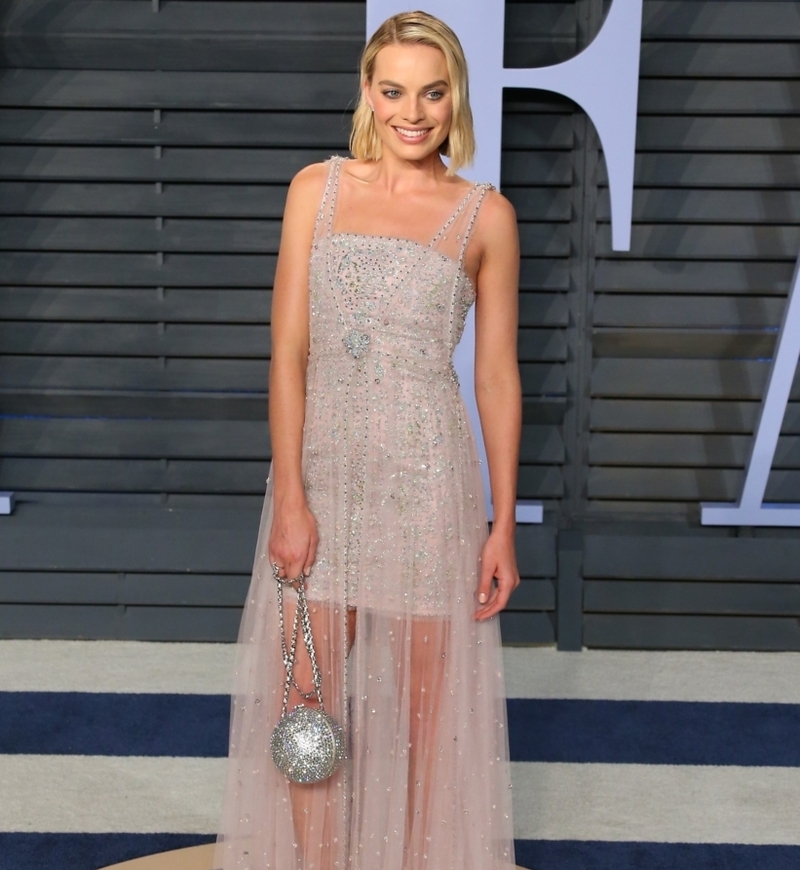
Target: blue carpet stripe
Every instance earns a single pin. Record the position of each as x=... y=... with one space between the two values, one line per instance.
x=89 y=723
x=604 y=855
x=23 y=851
x=29 y=851
x=654 y=732
x=576 y=731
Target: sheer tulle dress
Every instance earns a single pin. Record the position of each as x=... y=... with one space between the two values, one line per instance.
x=392 y=477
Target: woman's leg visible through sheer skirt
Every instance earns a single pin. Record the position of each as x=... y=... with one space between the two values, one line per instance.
x=317 y=808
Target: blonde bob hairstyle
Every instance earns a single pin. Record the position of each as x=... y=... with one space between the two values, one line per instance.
x=417 y=28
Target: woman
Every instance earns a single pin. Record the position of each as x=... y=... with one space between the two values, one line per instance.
x=375 y=493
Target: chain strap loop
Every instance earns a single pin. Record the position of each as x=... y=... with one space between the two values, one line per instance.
x=302 y=617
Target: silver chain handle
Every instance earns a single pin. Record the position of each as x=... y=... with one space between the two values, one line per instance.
x=289 y=652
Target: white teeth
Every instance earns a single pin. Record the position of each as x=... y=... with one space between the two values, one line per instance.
x=413 y=133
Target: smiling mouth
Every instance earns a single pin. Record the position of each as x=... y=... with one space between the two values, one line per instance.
x=408 y=133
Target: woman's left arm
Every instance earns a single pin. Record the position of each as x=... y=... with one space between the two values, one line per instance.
x=498 y=393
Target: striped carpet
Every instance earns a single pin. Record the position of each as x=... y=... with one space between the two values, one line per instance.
x=621 y=760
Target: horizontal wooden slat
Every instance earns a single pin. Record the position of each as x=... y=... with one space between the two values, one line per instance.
x=643 y=631
x=143 y=304
x=176 y=439
x=150 y=89
x=145 y=374
x=678 y=276
x=547 y=379
x=137 y=404
x=543 y=274
x=38 y=538
x=717 y=134
x=135 y=475
x=185 y=35
x=142 y=198
x=746 y=59
x=712 y=97
x=705 y=555
x=694 y=311
x=682 y=484
x=703 y=242
x=139 y=234
x=540 y=481
x=669 y=205
x=747 y=20
x=540 y=309
x=683 y=343
x=535 y=345
x=138 y=270
x=712 y=170
x=136 y=340
x=676 y=379
x=124 y=588
x=527 y=628
x=544 y=239
x=750 y=599
x=179 y=127
x=533 y=595
x=53 y=162
x=540 y=444
x=112 y=622
x=702 y=451
x=651 y=415
x=185 y=18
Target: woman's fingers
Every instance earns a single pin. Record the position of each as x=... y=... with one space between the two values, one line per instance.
x=499 y=596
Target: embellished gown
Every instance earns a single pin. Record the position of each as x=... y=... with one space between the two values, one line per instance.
x=392 y=477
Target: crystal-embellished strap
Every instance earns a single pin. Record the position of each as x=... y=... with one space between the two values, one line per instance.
x=461 y=206
x=482 y=190
x=324 y=222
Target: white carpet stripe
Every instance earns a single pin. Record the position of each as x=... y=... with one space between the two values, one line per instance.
x=531 y=672
x=115 y=666
x=646 y=675
x=98 y=795
x=662 y=803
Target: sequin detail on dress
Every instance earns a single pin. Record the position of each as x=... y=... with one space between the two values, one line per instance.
x=392 y=478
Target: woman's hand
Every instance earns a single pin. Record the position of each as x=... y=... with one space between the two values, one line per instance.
x=498 y=562
x=293 y=538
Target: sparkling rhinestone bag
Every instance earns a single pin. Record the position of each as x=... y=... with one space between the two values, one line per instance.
x=307 y=744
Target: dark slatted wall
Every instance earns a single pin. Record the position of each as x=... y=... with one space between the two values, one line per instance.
x=145 y=152
x=683 y=329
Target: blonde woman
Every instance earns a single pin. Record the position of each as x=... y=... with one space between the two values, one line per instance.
x=375 y=495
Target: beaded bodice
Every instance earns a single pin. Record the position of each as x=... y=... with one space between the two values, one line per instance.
x=398 y=301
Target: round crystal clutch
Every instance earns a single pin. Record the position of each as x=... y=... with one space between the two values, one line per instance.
x=307 y=744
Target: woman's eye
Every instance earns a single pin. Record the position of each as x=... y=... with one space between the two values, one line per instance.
x=435 y=95
x=391 y=94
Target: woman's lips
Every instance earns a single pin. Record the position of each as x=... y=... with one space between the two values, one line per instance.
x=410 y=135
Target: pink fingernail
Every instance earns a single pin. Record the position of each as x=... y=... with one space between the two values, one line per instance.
x=482 y=598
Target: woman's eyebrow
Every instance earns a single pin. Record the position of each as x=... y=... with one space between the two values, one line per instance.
x=424 y=87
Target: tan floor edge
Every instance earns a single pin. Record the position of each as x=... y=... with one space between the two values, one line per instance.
x=193 y=858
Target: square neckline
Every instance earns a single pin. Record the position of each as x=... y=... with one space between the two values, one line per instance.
x=428 y=246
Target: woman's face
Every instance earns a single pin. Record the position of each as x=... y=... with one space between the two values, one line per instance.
x=412 y=101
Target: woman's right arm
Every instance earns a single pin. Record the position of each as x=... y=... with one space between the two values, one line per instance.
x=293 y=538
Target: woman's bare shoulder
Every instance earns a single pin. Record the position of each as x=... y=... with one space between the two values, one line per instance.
x=309 y=181
x=497 y=207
